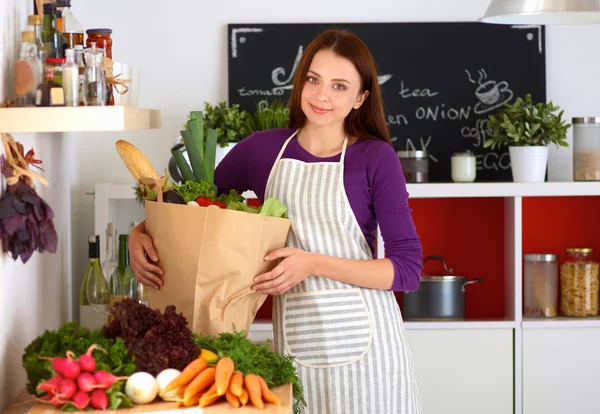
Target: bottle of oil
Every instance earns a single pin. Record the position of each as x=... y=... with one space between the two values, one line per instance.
x=72 y=29
x=51 y=36
x=93 y=294
x=122 y=282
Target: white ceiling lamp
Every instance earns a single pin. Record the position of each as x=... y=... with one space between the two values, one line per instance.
x=543 y=12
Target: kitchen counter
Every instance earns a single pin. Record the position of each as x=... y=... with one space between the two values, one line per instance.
x=23 y=404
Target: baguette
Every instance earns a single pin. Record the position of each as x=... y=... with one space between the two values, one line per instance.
x=138 y=165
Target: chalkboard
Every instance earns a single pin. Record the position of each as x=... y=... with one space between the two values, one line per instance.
x=440 y=81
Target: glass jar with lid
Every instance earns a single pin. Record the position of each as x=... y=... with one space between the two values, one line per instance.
x=102 y=39
x=415 y=166
x=579 y=283
x=586 y=149
x=463 y=166
x=540 y=277
x=57 y=67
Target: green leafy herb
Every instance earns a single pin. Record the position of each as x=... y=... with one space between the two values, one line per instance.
x=116 y=397
x=527 y=124
x=232 y=197
x=268 y=115
x=228 y=121
x=70 y=338
x=256 y=358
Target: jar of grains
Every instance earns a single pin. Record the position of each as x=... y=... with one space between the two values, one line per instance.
x=579 y=283
x=586 y=149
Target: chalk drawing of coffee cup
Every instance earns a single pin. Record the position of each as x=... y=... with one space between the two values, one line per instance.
x=492 y=95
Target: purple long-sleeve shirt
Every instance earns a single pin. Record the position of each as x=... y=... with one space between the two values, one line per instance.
x=374 y=183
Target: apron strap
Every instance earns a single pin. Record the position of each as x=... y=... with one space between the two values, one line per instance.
x=342 y=157
x=285 y=144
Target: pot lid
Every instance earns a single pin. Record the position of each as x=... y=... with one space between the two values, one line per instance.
x=447 y=278
x=445 y=272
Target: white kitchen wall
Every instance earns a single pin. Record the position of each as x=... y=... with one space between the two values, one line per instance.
x=181 y=47
x=33 y=297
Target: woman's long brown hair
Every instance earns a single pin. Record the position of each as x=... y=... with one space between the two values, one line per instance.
x=368 y=121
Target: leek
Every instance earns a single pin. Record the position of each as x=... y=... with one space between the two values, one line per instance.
x=184 y=168
x=194 y=153
x=196 y=128
x=210 y=155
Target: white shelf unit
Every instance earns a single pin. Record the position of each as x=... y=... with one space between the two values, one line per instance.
x=78 y=119
x=497 y=340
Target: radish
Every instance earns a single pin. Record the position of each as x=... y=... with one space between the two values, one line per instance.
x=87 y=362
x=105 y=379
x=57 y=363
x=70 y=367
x=81 y=400
x=86 y=382
x=51 y=386
x=55 y=400
x=99 y=400
x=67 y=389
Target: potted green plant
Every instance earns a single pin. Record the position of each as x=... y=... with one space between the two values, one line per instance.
x=268 y=115
x=527 y=129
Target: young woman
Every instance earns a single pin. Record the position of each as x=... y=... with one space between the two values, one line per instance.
x=338 y=174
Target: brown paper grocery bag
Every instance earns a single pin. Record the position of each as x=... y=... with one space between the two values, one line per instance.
x=209 y=257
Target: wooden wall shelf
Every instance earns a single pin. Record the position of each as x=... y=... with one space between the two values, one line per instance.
x=78 y=119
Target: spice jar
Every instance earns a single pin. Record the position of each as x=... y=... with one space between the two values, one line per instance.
x=56 y=65
x=102 y=39
x=540 y=273
x=415 y=166
x=586 y=149
x=463 y=166
x=579 y=283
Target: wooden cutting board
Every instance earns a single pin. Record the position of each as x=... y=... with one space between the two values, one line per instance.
x=23 y=405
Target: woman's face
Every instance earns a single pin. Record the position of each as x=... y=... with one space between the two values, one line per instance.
x=331 y=90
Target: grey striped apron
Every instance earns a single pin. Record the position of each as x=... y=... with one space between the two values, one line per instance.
x=349 y=343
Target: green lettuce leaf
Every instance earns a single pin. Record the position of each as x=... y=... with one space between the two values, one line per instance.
x=273 y=208
x=191 y=190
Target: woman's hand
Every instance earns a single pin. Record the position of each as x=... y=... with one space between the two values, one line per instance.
x=296 y=266
x=146 y=273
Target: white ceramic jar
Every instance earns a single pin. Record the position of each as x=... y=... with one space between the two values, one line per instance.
x=464 y=166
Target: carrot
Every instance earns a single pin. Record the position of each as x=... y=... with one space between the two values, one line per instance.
x=180 y=392
x=187 y=375
x=223 y=374
x=202 y=381
x=233 y=400
x=244 y=397
x=237 y=383
x=189 y=401
x=268 y=395
x=254 y=392
x=210 y=396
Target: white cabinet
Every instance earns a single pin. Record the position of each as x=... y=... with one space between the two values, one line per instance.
x=464 y=371
x=561 y=371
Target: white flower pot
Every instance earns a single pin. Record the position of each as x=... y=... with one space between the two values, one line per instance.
x=222 y=152
x=529 y=164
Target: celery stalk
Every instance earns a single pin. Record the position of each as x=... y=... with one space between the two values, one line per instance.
x=186 y=172
x=194 y=156
x=210 y=155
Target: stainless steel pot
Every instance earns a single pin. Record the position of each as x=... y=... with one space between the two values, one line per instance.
x=439 y=297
